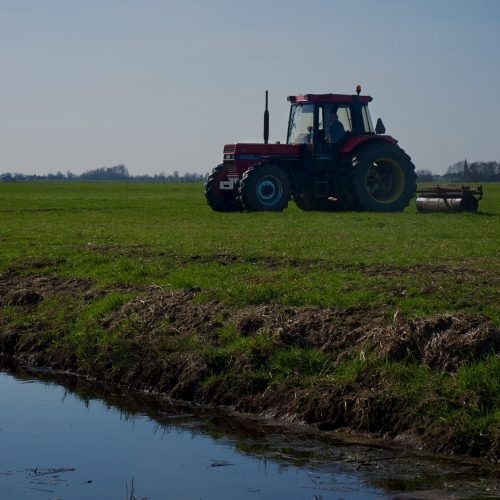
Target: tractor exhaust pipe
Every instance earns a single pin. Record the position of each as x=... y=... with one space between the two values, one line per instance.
x=266 y=123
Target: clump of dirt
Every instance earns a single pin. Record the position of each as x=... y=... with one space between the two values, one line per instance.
x=28 y=291
x=328 y=329
x=442 y=342
x=249 y=322
x=173 y=308
x=419 y=269
x=157 y=342
x=24 y=297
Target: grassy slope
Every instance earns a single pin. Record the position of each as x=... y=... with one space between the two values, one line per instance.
x=139 y=233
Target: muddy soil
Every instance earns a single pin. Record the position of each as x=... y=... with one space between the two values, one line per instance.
x=160 y=333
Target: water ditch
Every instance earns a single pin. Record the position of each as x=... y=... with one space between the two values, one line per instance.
x=66 y=437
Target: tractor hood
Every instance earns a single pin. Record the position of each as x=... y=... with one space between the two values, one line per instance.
x=238 y=157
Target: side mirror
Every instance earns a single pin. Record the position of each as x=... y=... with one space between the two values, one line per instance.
x=379 y=128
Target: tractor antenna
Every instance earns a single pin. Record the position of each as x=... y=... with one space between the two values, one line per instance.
x=266 y=123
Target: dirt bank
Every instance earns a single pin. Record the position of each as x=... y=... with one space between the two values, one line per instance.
x=209 y=352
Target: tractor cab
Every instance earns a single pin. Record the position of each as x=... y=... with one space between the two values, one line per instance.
x=325 y=123
x=328 y=118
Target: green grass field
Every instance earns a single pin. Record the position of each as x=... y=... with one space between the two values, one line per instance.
x=166 y=234
x=126 y=235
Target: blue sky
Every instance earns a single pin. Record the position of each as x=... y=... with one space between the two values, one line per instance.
x=161 y=85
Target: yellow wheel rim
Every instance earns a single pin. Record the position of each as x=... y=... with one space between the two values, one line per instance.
x=385 y=180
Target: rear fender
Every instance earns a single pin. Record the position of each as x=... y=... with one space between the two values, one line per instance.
x=353 y=142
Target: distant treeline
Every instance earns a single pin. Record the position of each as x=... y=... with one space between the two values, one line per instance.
x=426 y=176
x=479 y=171
x=116 y=173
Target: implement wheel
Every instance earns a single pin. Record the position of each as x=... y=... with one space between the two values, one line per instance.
x=265 y=187
x=382 y=179
x=221 y=200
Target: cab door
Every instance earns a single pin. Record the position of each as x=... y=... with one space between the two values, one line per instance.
x=301 y=131
x=323 y=150
x=333 y=126
x=322 y=155
x=327 y=146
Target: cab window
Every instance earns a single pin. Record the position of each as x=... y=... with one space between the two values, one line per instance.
x=343 y=113
x=367 y=119
x=300 y=129
x=334 y=120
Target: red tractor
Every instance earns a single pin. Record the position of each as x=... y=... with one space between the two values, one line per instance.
x=333 y=160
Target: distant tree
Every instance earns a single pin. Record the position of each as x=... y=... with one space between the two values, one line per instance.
x=473 y=172
x=116 y=173
x=119 y=171
x=493 y=170
x=455 y=172
x=478 y=171
x=59 y=176
x=424 y=176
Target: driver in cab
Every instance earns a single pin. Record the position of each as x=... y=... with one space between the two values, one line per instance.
x=334 y=130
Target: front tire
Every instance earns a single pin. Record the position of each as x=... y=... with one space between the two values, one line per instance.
x=382 y=179
x=221 y=200
x=265 y=187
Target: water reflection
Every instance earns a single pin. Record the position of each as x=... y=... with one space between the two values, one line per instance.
x=50 y=422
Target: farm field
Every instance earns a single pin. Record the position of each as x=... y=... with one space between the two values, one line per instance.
x=385 y=324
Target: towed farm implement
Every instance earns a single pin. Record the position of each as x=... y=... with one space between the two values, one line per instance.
x=447 y=197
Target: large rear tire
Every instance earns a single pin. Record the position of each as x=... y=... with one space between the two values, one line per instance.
x=265 y=187
x=342 y=185
x=221 y=200
x=382 y=179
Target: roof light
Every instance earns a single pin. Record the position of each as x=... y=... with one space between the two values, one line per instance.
x=358 y=89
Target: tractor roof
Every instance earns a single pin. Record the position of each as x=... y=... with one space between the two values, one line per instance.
x=329 y=98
